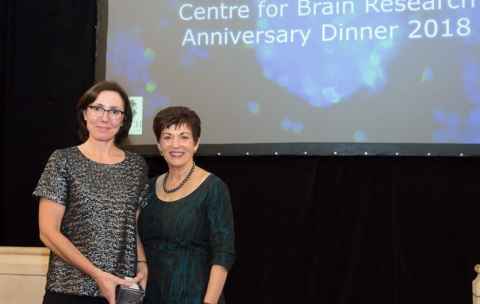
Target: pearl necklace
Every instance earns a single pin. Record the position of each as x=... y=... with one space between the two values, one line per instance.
x=164 y=185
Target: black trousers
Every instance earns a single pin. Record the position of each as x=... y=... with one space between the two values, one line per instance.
x=62 y=298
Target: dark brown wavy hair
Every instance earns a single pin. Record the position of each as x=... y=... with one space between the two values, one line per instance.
x=91 y=95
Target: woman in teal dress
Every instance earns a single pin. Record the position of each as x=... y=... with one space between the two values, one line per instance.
x=186 y=223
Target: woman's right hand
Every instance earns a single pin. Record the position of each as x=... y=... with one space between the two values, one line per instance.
x=142 y=275
x=107 y=283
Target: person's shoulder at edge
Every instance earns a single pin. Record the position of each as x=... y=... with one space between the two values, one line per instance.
x=137 y=158
x=215 y=178
x=66 y=150
x=214 y=181
x=60 y=153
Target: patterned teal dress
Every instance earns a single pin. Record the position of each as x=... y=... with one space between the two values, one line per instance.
x=183 y=239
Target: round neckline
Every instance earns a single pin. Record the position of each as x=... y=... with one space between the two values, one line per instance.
x=174 y=202
x=99 y=163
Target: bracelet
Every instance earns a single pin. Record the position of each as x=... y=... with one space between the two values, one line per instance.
x=141 y=261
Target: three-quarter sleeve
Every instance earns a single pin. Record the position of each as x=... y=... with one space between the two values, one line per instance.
x=221 y=227
x=53 y=183
x=143 y=198
x=142 y=202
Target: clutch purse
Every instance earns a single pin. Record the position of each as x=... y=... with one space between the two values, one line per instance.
x=128 y=295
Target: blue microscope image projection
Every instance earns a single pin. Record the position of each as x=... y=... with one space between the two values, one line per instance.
x=324 y=73
x=457 y=127
x=131 y=60
x=461 y=127
x=336 y=71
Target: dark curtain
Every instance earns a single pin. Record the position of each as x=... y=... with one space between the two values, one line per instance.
x=334 y=230
x=48 y=61
x=351 y=229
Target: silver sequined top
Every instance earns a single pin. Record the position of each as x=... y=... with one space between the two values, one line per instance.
x=100 y=202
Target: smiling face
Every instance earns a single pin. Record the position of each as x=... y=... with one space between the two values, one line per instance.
x=102 y=125
x=177 y=145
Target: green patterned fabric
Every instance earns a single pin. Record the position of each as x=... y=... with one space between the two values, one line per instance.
x=183 y=239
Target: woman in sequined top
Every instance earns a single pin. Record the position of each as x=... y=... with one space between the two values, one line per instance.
x=186 y=222
x=89 y=198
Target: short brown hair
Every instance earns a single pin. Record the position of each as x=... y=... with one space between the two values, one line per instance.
x=91 y=95
x=177 y=116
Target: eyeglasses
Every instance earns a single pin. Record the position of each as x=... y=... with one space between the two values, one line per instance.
x=112 y=113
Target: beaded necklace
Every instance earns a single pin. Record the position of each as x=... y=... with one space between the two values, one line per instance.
x=164 y=184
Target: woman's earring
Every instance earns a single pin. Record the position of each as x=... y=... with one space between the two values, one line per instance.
x=161 y=152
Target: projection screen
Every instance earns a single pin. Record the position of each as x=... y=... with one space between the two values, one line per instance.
x=390 y=77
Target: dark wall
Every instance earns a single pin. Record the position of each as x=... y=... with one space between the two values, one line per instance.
x=309 y=229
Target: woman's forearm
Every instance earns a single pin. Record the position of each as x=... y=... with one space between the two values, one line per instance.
x=142 y=266
x=140 y=250
x=218 y=276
